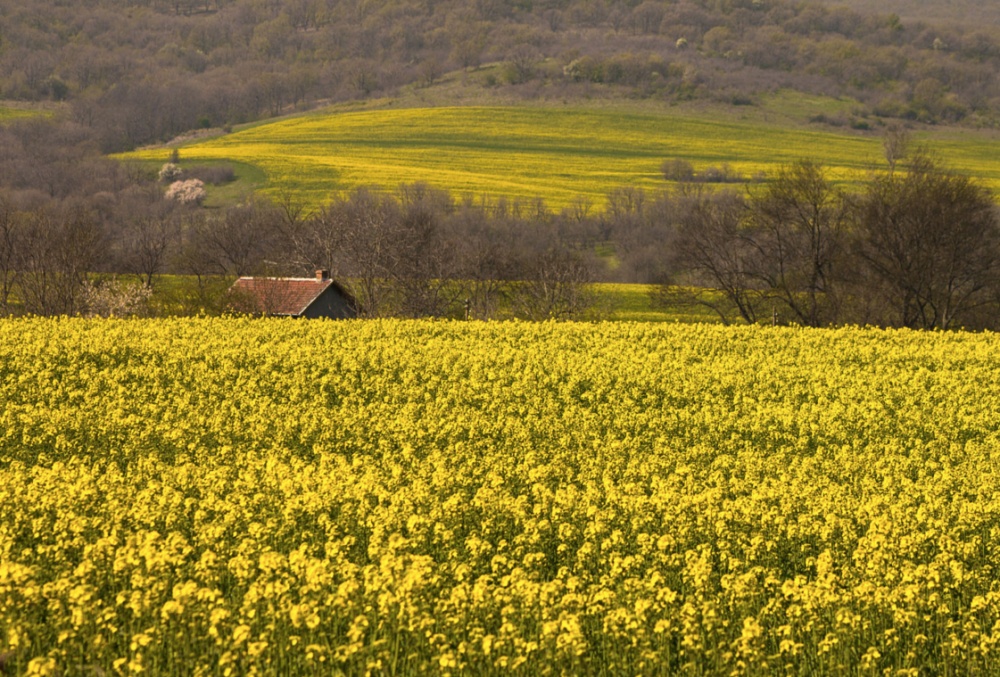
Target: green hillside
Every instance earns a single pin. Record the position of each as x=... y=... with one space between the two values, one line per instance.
x=558 y=153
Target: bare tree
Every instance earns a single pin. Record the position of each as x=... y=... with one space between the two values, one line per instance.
x=57 y=251
x=895 y=145
x=797 y=226
x=193 y=258
x=489 y=279
x=243 y=240
x=932 y=238
x=319 y=242
x=427 y=266
x=148 y=228
x=10 y=243
x=370 y=224
x=521 y=63
x=623 y=213
x=714 y=263
x=553 y=285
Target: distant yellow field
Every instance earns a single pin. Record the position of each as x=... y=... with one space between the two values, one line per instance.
x=8 y=114
x=559 y=154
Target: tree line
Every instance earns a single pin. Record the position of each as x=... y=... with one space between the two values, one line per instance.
x=918 y=246
x=135 y=72
x=416 y=252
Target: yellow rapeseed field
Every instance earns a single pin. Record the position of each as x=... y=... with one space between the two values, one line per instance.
x=560 y=154
x=237 y=497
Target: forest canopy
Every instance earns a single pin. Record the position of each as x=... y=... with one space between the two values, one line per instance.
x=142 y=71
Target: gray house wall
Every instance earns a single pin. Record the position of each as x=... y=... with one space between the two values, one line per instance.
x=331 y=303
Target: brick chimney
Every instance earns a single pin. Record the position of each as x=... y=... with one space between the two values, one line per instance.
x=322 y=275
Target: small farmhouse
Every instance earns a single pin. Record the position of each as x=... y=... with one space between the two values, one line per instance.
x=310 y=297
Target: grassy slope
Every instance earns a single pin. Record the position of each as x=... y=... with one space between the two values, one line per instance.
x=9 y=113
x=556 y=152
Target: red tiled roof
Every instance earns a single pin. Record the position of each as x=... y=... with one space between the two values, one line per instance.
x=282 y=295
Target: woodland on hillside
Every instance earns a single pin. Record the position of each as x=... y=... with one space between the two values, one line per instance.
x=140 y=71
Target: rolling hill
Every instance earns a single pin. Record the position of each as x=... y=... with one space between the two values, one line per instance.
x=558 y=153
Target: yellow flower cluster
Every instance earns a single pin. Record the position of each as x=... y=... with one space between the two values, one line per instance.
x=233 y=497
